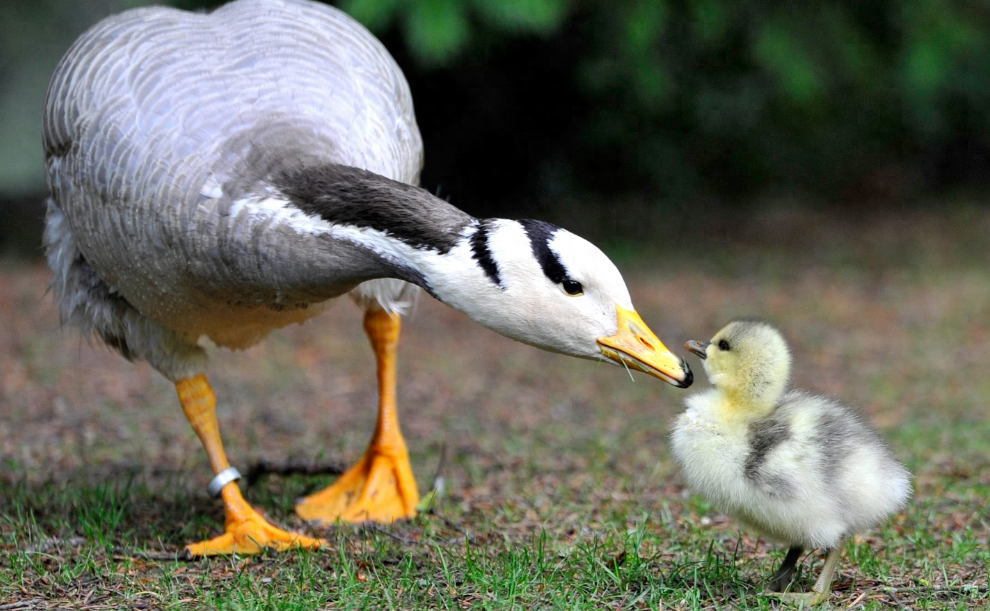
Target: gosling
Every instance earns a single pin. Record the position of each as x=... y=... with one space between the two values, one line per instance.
x=799 y=468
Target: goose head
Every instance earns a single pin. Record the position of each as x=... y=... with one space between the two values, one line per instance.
x=748 y=360
x=529 y=280
x=545 y=286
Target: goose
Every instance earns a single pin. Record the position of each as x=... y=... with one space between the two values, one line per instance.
x=799 y=468
x=222 y=175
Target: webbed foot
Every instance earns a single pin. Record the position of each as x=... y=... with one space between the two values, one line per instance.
x=381 y=486
x=249 y=533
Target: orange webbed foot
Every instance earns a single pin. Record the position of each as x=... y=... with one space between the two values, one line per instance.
x=379 y=488
x=249 y=533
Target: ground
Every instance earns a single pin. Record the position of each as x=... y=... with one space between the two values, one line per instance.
x=557 y=489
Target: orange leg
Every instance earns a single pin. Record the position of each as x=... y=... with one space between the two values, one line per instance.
x=381 y=486
x=247 y=532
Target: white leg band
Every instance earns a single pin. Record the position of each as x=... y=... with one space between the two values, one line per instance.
x=223 y=478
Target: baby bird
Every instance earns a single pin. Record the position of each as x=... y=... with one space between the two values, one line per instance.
x=799 y=468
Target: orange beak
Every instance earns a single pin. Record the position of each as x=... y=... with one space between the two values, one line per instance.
x=636 y=346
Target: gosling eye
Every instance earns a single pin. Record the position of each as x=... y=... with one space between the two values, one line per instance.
x=724 y=345
x=572 y=287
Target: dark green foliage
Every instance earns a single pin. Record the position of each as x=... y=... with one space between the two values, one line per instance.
x=862 y=99
x=547 y=108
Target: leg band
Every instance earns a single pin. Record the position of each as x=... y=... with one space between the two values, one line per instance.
x=230 y=474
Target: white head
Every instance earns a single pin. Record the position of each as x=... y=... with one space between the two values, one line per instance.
x=749 y=361
x=544 y=286
x=528 y=280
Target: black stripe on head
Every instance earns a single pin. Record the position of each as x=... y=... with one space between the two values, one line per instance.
x=350 y=196
x=483 y=255
x=540 y=233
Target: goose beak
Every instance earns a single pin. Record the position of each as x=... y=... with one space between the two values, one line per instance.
x=698 y=348
x=635 y=346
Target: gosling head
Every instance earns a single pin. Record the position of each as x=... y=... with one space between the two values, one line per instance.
x=748 y=360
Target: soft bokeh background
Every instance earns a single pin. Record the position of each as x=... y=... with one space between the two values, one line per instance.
x=821 y=164
x=616 y=118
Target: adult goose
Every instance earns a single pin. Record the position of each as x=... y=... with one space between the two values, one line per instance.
x=227 y=174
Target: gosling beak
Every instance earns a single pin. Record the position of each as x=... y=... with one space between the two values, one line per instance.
x=698 y=348
x=635 y=346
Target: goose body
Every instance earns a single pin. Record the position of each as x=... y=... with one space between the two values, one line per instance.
x=226 y=174
x=799 y=468
x=163 y=133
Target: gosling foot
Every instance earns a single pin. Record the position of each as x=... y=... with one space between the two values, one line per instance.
x=809 y=599
x=822 y=588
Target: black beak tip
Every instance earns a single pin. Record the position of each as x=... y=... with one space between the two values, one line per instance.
x=688 y=376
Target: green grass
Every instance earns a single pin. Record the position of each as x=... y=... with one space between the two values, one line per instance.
x=559 y=489
x=616 y=553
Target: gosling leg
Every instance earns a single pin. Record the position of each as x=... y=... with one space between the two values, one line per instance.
x=823 y=587
x=785 y=574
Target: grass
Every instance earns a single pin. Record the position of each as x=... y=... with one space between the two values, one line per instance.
x=559 y=492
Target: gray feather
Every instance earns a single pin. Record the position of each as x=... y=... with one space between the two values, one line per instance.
x=158 y=120
x=764 y=436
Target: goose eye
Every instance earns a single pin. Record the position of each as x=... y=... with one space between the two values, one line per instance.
x=724 y=345
x=572 y=287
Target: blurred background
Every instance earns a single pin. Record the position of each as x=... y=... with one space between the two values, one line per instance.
x=625 y=121
x=823 y=164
